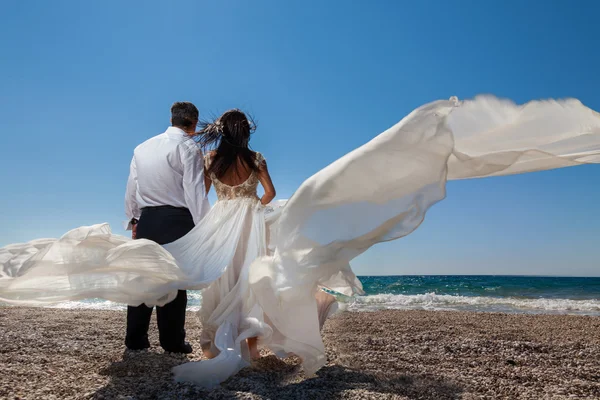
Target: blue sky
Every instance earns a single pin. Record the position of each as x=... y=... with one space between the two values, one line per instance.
x=82 y=83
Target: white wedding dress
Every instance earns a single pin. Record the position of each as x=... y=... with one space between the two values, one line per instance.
x=264 y=268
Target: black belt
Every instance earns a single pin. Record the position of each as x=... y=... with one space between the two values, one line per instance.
x=165 y=208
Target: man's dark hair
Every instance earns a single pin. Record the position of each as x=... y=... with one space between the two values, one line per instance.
x=184 y=114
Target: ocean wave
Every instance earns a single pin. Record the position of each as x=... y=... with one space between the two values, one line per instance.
x=194 y=301
x=427 y=301
x=89 y=305
x=432 y=301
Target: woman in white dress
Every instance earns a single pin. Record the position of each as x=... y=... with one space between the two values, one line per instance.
x=265 y=267
x=235 y=172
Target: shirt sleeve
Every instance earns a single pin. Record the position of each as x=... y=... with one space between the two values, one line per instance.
x=193 y=182
x=132 y=209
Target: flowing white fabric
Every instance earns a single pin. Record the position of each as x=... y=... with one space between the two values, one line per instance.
x=229 y=239
x=382 y=190
x=272 y=265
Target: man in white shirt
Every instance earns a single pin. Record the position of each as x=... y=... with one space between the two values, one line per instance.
x=165 y=198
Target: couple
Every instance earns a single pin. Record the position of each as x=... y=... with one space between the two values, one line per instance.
x=166 y=197
x=166 y=203
x=263 y=271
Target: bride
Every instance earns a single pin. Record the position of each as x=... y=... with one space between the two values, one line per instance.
x=234 y=171
x=263 y=269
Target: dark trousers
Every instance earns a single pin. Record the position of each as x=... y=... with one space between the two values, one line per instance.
x=162 y=225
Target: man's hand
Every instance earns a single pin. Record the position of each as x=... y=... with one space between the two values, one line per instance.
x=134 y=231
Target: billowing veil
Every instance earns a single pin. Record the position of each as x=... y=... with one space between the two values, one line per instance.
x=382 y=190
x=378 y=192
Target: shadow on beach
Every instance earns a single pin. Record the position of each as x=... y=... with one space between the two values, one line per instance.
x=146 y=375
x=272 y=378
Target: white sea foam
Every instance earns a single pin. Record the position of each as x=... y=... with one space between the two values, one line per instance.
x=428 y=301
x=432 y=301
x=90 y=305
x=194 y=298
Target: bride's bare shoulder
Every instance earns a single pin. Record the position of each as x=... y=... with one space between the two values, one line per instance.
x=208 y=158
x=258 y=156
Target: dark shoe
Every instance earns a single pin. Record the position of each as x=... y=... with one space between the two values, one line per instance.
x=184 y=348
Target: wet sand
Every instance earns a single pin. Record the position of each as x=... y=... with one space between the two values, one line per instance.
x=79 y=354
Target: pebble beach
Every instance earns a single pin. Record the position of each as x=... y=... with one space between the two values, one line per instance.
x=79 y=354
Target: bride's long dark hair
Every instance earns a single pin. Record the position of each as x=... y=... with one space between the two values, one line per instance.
x=229 y=135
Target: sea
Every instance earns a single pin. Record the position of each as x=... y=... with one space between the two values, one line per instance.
x=507 y=294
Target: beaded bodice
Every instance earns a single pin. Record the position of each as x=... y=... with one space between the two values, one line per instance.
x=246 y=189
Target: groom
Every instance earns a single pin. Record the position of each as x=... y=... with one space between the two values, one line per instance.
x=165 y=198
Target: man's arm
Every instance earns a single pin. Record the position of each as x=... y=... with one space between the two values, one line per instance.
x=132 y=210
x=193 y=182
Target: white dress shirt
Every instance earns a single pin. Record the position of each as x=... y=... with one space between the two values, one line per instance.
x=167 y=170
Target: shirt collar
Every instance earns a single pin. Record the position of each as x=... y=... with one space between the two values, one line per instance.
x=173 y=130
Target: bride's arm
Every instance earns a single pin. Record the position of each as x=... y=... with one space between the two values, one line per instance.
x=207 y=181
x=265 y=180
